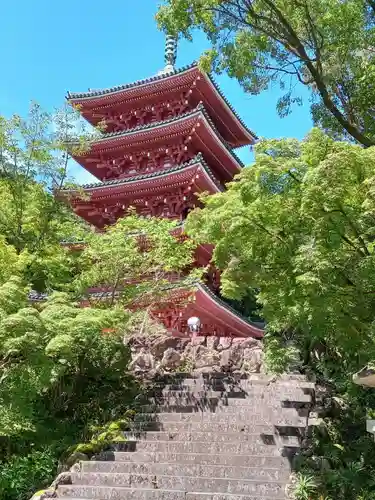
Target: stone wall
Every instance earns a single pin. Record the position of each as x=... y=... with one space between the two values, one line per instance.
x=158 y=354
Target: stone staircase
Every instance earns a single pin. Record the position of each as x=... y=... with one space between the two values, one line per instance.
x=204 y=437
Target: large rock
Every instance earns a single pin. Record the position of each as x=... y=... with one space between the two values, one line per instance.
x=198 y=341
x=231 y=359
x=207 y=357
x=224 y=343
x=212 y=342
x=171 y=359
x=208 y=369
x=142 y=361
x=248 y=343
x=252 y=360
x=182 y=344
x=62 y=478
x=152 y=356
x=72 y=460
x=161 y=344
x=192 y=352
x=136 y=342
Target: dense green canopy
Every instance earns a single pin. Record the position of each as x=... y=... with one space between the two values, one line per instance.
x=326 y=45
x=299 y=226
x=63 y=368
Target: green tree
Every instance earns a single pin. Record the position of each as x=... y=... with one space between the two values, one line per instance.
x=34 y=162
x=61 y=373
x=48 y=351
x=298 y=226
x=326 y=45
x=63 y=368
x=134 y=259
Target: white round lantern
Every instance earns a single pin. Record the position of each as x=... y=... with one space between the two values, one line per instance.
x=194 y=324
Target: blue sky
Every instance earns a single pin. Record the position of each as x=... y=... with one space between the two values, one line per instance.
x=49 y=47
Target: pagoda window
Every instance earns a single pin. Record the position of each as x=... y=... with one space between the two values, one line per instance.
x=126 y=167
x=149 y=116
x=165 y=114
x=133 y=121
x=143 y=164
x=165 y=212
x=152 y=165
x=167 y=162
x=169 y=114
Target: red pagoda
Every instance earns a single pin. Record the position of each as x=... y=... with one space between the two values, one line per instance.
x=168 y=138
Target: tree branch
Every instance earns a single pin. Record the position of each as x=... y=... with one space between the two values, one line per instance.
x=343 y=236
x=317 y=47
x=293 y=44
x=294 y=177
x=283 y=33
x=356 y=232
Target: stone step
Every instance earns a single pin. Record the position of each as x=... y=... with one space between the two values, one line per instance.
x=237 y=412
x=173 y=469
x=224 y=496
x=237 y=392
x=212 y=437
x=179 y=483
x=228 y=385
x=237 y=447
x=286 y=417
x=211 y=379
x=231 y=392
x=223 y=459
x=218 y=399
x=211 y=426
x=258 y=377
x=136 y=494
x=97 y=493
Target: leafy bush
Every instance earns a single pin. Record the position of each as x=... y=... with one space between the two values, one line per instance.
x=298 y=228
x=340 y=454
x=62 y=377
x=20 y=474
x=278 y=356
x=306 y=486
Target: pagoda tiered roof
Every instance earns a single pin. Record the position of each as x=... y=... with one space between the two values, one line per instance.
x=196 y=165
x=193 y=130
x=164 y=178
x=167 y=139
x=217 y=317
x=104 y=202
x=190 y=81
x=209 y=307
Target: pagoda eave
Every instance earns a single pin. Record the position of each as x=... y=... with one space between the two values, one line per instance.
x=167 y=140
x=210 y=306
x=171 y=193
x=193 y=132
x=194 y=174
x=198 y=86
x=216 y=317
